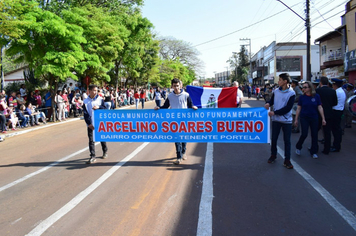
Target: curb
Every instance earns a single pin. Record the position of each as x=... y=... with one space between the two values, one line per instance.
x=37 y=128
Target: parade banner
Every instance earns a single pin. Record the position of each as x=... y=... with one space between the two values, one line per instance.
x=224 y=125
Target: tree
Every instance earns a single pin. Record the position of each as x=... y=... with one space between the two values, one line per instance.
x=240 y=63
x=12 y=18
x=173 y=49
x=130 y=60
x=50 y=46
x=105 y=36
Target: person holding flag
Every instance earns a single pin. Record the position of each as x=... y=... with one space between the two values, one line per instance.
x=178 y=99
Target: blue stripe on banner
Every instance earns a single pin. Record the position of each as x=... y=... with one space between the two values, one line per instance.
x=223 y=125
x=195 y=94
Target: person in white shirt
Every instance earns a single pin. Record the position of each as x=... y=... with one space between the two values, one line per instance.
x=338 y=111
x=23 y=91
x=91 y=103
x=239 y=94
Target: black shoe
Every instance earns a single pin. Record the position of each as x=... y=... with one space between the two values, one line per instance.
x=272 y=159
x=348 y=126
x=326 y=153
x=288 y=164
x=334 y=150
x=91 y=160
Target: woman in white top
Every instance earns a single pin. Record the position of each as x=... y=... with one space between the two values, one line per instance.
x=60 y=105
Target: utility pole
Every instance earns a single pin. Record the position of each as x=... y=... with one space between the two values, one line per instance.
x=249 y=43
x=307 y=25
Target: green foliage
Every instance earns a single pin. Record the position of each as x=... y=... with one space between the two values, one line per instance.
x=240 y=63
x=12 y=87
x=12 y=20
x=31 y=82
x=104 y=39
x=49 y=45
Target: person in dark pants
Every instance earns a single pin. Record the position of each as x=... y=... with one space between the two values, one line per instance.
x=178 y=99
x=282 y=101
x=91 y=103
x=338 y=111
x=328 y=100
x=309 y=105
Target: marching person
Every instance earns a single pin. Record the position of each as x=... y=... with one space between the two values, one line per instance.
x=179 y=99
x=348 y=115
x=309 y=105
x=91 y=103
x=282 y=101
x=328 y=100
x=338 y=111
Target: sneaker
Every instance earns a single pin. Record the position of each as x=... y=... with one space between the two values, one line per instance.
x=105 y=155
x=91 y=160
x=288 y=164
x=315 y=156
x=177 y=162
x=272 y=159
x=184 y=157
x=297 y=151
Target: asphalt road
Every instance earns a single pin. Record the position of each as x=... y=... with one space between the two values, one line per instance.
x=47 y=189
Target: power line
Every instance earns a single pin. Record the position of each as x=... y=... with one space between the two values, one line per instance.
x=243 y=28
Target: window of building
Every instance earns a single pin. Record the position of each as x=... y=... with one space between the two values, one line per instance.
x=288 y=64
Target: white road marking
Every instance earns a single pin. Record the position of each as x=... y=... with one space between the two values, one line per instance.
x=44 y=225
x=205 y=220
x=43 y=169
x=16 y=221
x=330 y=199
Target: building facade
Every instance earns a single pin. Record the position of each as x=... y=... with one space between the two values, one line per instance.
x=350 y=29
x=222 y=79
x=278 y=58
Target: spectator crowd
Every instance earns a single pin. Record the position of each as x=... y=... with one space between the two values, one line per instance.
x=23 y=108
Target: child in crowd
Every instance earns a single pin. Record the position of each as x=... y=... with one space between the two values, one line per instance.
x=13 y=120
x=22 y=117
x=32 y=116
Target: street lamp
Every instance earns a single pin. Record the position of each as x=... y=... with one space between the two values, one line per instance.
x=307 y=24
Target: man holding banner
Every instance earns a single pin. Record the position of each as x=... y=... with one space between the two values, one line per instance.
x=282 y=101
x=178 y=99
x=91 y=103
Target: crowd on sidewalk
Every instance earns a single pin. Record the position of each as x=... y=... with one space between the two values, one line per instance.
x=22 y=109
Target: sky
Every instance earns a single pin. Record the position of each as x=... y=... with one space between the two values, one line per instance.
x=263 y=21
